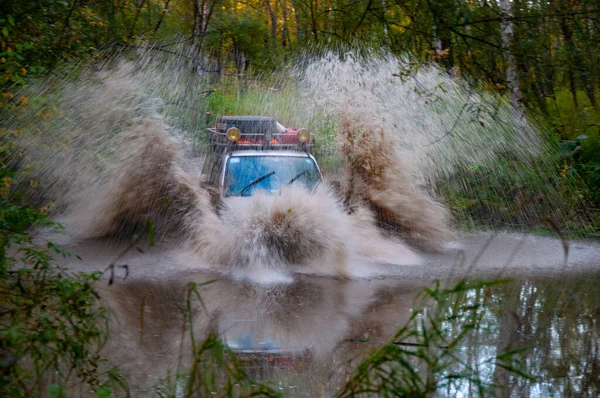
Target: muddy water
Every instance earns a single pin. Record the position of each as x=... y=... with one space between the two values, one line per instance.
x=307 y=335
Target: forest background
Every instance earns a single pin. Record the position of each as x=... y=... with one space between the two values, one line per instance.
x=542 y=55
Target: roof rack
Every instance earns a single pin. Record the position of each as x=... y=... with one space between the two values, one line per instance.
x=256 y=132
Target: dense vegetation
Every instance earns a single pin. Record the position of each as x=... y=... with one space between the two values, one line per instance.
x=49 y=317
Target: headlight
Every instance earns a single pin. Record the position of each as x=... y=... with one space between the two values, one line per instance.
x=233 y=134
x=303 y=135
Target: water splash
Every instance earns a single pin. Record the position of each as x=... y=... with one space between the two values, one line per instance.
x=120 y=147
x=437 y=123
x=448 y=136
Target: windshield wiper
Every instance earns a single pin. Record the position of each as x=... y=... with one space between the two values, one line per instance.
x=297 y=176
x=253 y=183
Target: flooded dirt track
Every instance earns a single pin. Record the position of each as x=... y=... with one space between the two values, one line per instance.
x=475 y=255
x=308 y=335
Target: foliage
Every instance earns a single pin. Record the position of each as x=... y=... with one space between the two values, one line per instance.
x=580 y=148
x=214 y=371
x=547 y=327
x=522 y=196
x=565 y=308
x=51 y=328
x=242 y=33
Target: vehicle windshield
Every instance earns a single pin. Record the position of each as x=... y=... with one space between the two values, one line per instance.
x=244 y=175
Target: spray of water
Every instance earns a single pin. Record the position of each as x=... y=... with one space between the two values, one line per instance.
x=438 y=123
x=444 y=132
x=118 y=149
x=103 y=153
x=309 y=230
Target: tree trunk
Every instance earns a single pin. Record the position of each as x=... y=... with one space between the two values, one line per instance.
x=577 y=59
x=203 y=10
x=112 y=20
x=437 y=43
x=298 y=8
x=285 y=34
x=573 y=88
x=135 y=19
x=162 y=16
x=313 y=19
x=384 y=22
x=442 y=41
x=509 y=336
x=273 y=19
x=511 y=75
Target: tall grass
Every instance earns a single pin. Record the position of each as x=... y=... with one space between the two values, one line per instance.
x=426 y=355
x=214 y=369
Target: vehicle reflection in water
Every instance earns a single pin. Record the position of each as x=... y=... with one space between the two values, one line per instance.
x=276 y=331
x=305 y=335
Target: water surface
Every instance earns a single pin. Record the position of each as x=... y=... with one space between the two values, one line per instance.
x=307 y=336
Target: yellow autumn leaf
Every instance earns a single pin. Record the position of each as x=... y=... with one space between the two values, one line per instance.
x=5 y=186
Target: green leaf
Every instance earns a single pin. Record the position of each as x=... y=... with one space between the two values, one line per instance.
x=103 y=392
x=11 y=20
x=5 y=31
x=56 y=391
x=150 y=230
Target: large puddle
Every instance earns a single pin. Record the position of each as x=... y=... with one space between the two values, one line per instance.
x=306 y=337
